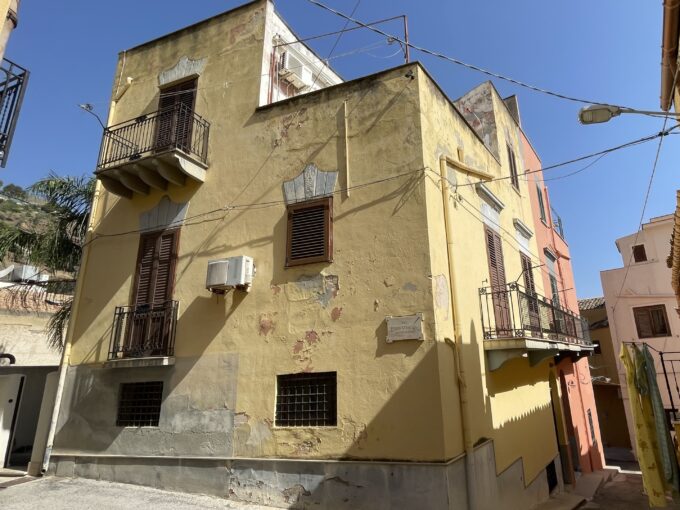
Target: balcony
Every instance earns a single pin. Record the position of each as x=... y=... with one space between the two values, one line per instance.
x=13 y=82
x=143 y=335
x=517 y=323
x=152 y=151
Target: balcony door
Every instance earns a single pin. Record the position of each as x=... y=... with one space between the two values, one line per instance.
x=529 y=300
x=175 y=116
x=499 y=290
x=149 y=327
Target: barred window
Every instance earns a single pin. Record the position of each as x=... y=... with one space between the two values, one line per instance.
x=139 y=404
x=306 y=400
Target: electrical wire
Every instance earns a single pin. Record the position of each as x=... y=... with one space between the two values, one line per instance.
x=638 y=141
x=646 y=200
x=256 y=205
x=460 y=62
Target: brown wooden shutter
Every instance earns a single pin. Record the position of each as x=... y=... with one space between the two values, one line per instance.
x=643 y=322
x=156 y=267
x=175 y=117
x=499 y=292
x=147 y=247
x=310 y=232
x=527 y=270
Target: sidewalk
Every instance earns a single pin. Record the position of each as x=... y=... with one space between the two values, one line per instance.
x=623 y=492
x=78 y=493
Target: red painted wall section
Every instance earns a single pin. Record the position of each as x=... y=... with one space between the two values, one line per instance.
x=581 y=396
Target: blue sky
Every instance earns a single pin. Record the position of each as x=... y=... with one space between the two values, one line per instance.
x=607 y=50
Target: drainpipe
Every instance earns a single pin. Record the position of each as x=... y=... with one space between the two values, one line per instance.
x=10 y=357
x=458 y=344
x=669 y=51
x=66 y=354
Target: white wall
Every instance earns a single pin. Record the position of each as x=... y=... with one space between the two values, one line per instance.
x=647 y=283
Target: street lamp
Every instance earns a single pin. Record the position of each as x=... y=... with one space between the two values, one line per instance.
x=598 y=113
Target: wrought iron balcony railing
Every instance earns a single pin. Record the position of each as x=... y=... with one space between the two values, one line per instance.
x=13 y=81
x=143 y=331
x=174 y=128
x=509 y=312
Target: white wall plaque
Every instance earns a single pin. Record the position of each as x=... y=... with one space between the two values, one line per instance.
x=408 y=327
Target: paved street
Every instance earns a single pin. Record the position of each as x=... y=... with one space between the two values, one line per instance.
x=623 y=492
x=69 y=494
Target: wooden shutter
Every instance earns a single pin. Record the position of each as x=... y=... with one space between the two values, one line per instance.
x=513 y=167
x=310 y=232
x=147 y=247
x=156 y=267
x=501 y=305
x=527 y=270
x=643 y=322
x=175 y=117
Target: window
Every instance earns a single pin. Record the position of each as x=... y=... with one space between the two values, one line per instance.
x=541 y=204
x=176 y=116
x=306 y=400
x=501 y=305
x=310 y=232
x=555 y=290
x=530 y=289
x=139 y=404
x=156 y=267
x=651 y=321
x=639 y=253
x=514 y=178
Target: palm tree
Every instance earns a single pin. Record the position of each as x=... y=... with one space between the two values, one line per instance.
x=56 y=243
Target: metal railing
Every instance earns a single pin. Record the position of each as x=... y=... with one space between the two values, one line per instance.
x=508 y=311
x=13 y=81
x=144 y=331
x=175 y=127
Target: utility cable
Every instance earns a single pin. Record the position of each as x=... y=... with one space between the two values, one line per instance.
x=647 y=193
x=460 y=62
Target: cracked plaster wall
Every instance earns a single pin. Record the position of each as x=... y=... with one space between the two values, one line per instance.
x=320 y=317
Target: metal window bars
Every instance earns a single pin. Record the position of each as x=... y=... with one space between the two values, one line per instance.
x=509 y=311
x=174 y=128
x=13 y=82
x=143 y=331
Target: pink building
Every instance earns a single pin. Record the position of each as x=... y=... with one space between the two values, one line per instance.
x=579 y=434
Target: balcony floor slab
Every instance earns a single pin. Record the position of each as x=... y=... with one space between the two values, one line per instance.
x=157 y=361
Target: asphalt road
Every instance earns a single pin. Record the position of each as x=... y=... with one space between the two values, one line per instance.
x=78 y=493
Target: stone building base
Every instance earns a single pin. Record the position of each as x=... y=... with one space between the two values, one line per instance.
x=302 y=484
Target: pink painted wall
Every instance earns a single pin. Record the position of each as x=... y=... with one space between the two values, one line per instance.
x=576 y=374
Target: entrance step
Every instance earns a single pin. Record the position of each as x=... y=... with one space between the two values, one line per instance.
x=588 y=484
x=561 y=501
x=11 y=472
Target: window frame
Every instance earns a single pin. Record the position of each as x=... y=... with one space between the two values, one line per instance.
x=157 y=236
x=514 y=176
x=541 y=205
x=636 y=252
x=121 y=395
x=281 y=422
x=649 y=309
x=327 y=256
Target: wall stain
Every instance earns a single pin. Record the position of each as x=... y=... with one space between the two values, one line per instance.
x=336 y=313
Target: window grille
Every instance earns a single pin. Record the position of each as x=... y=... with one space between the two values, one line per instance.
x=139 y=404
x=306 y=400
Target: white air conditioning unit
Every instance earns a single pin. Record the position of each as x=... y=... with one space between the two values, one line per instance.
x=231 y=273
x=294 y=71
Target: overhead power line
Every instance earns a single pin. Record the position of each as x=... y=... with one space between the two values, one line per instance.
x=459 y=62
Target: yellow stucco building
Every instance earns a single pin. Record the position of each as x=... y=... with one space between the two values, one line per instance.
x=351 y=367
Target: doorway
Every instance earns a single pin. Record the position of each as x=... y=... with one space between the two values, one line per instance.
x=11 y=387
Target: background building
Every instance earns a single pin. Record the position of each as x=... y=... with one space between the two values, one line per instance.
x=373 y=355
x=640 y=301
x=605 y=376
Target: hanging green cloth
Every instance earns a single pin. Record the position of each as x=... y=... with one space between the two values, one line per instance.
x=645 y=432
x=663 y=435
